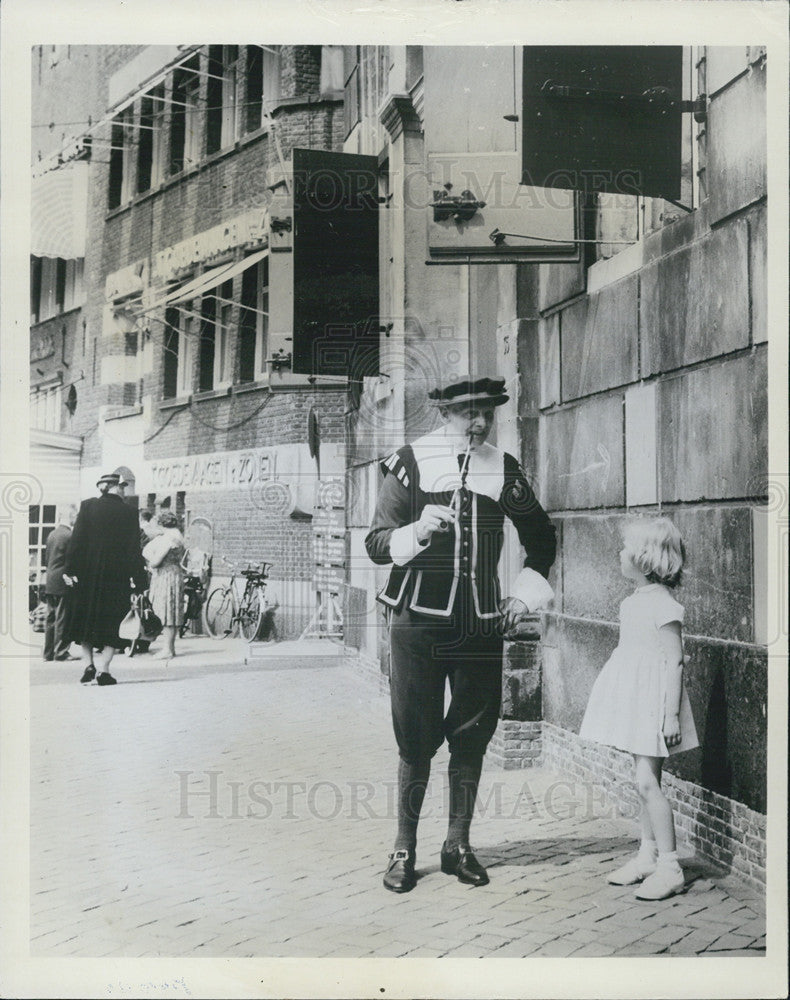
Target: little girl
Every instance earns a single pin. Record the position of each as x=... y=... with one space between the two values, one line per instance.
x=638 y=702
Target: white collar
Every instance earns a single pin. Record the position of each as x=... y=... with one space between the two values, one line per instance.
x=436 y=457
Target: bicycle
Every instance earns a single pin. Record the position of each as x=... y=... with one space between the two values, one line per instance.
x=225 y=615
x=197 y=570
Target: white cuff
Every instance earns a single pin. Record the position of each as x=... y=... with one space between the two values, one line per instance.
x=533 y=589
x=404 y=545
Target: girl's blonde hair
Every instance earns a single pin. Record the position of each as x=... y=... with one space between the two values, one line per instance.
x=656 y=548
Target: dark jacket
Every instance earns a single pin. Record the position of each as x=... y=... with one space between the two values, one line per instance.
x=465 y=558
x=55 y=557
x=103 y=553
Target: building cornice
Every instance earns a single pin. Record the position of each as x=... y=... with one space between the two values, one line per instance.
x=399 y=115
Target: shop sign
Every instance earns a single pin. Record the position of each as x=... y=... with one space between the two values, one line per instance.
x=330 y=551
x=329 y=578
x=42 y=345
x=329 y=522
x=248 y=230
x=226 y=470
x=128 y=280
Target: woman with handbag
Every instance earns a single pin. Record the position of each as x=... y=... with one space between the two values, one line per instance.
x=166 y=592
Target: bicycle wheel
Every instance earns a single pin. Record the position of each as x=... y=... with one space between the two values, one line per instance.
x=251 y=615
x=219 y=618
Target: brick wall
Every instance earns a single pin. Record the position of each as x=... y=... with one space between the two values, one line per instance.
x=723 y=831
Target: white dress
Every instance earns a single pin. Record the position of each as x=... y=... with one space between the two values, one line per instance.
x=626 y=706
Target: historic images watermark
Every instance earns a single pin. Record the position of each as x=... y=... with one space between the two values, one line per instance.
x=215 y=795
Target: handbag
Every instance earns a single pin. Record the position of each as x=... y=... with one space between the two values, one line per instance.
x=155 y=550
x=129 y=628
x=150 y=623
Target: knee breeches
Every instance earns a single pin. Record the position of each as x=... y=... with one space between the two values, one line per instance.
x=425 y=655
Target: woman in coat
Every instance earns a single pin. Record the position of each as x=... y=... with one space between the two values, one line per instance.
x=103 y=561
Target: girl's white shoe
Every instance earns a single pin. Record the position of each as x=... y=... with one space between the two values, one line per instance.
x=634 y=870
x=666 y=881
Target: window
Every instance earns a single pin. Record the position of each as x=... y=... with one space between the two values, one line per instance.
x=179 y=352
x=222 y=97
x=254 y=322
x=185 y=120
x=56 y=286
x=262 y=84
x=215 y=327
x=149 y=149
x=41 y=522
x=46 y=403
x=120 y=160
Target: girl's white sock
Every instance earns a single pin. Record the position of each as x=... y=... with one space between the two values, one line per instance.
x=668 y=858
x=648 y=850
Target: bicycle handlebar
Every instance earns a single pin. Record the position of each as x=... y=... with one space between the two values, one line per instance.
x=262 y=568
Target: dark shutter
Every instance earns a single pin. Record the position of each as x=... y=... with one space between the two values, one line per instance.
x=248 y=326
x=214 y=99
x=117 y=140
x=170 y=387
x=145 y=145
x=336 y=264
x=207 y=334
x=600 y=134
x=254 y=90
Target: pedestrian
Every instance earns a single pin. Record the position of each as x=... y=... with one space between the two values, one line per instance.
x=56 y=645
x=165 y=553
x=439 y=520
x=103 y=559
x=639 y=703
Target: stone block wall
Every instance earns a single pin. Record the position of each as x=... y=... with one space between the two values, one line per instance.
x=651 y=390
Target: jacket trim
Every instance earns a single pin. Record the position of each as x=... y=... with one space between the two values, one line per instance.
x=475 y=595
x=447 y=611
x=393 y=602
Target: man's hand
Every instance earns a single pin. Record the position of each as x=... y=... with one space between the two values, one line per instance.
x=671 y=730
x=512 y=610
x=69 y=580
x=434 y=517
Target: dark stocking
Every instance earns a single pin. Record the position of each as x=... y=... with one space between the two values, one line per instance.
x=412 y=782
x=464 y=774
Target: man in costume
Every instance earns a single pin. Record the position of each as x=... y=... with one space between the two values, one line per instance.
x=103 y=558
x=439 y=521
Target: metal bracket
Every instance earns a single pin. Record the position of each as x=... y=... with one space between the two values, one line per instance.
x=656 y=99
x=280 y=224
x=459 y=207
x=280 y=359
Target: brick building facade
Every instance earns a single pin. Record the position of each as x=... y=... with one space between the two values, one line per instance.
x=184 y=392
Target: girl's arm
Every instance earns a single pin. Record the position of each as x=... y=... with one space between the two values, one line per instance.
x=671 y=642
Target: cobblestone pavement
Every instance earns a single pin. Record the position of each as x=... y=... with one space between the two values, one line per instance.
x=249 y=813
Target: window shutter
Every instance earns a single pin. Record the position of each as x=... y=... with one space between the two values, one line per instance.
x=474 y=165
x=600 y=135
x=335 y=264
x=170 y=387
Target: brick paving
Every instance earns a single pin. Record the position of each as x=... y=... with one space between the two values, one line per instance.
x=206 y=808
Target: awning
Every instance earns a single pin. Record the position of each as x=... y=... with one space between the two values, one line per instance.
x=59 y=212
x=209 y=279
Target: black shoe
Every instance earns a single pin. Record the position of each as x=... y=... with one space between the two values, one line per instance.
x=461 y=862
x=400 y=876
x=105 y=678
x=65 y=656
x=88 y=676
